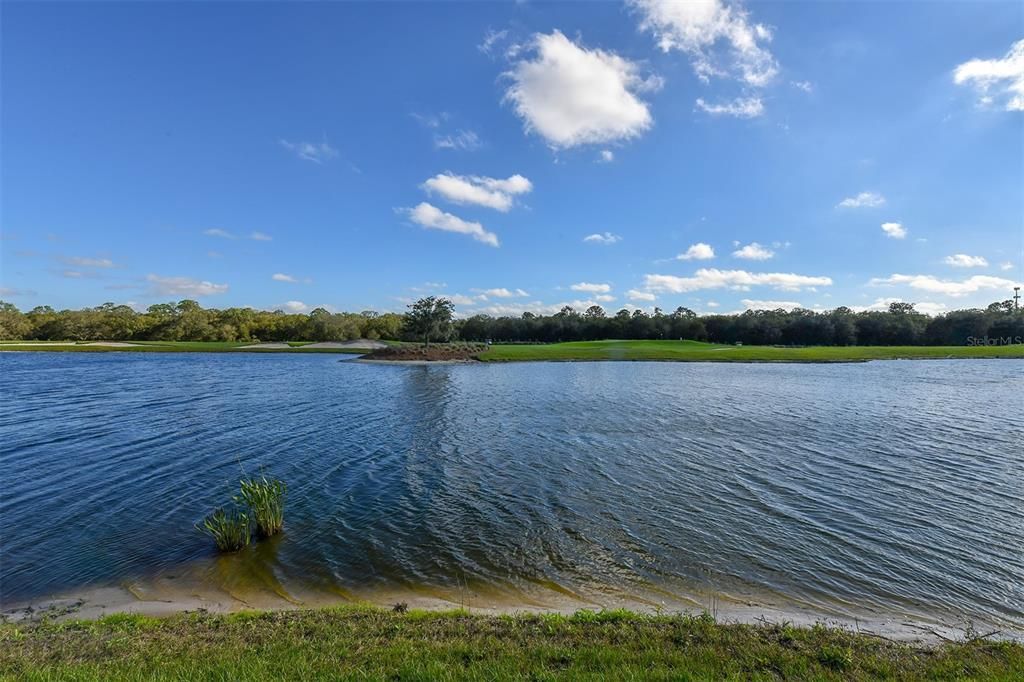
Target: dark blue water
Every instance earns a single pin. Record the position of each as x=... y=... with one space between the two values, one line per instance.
x=891 y=487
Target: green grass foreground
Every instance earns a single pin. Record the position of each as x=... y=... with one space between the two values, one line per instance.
x=370 y=643
x=696 y=351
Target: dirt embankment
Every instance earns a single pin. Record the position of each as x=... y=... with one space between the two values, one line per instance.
x=465 y=352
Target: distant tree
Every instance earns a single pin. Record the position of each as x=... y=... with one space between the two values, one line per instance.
x=899 y=308
x=594 y=312
x=13 y=324
x=429 y=318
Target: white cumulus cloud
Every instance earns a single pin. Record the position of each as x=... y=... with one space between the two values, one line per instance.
x=475 y=189
x=1005 y=76
x=697 y=27
x=955 y=288
x=281 y=277
x=751 y=304
x=894 y=230
x=571 y=95
x=431 y=217
x=754 y=251
x=863 y=200
x=591 y=288
x=606 y=156
x=962 y=260
x=502 y=292
x=638 y=295
x=184 y=286
x=698 y=251
x=712 y=278
x=606 y=238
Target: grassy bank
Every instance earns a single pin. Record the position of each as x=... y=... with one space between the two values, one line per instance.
x=368 y=643
x=706 y=352
x=173 y=347
x=683 y=351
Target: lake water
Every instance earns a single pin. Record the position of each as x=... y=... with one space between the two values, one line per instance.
x=887 y=487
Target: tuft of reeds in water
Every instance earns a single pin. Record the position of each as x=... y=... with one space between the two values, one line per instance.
x=230 y=529
x=265 y=499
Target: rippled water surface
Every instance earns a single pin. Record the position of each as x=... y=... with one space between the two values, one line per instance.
x=888 y=486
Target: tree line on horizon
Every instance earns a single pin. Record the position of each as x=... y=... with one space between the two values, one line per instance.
x=432 y=319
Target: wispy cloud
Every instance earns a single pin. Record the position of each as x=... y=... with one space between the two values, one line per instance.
x=89 y=262
x=502 y=292
x=282 y=277
x=698 y=29
x=12 y=292
x=317 y=152
x=465 y=140
x=862 y=200
x=741 y=107
x=224 y=234
x=491 y=40
x=605 y=238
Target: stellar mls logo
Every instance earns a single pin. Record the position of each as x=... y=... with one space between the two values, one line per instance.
x=994 y=340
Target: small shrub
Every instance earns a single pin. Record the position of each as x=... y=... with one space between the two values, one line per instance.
x=835 y=657
x=265 y=499
x=229 y=529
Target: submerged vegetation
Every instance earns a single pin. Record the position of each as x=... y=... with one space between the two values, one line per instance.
x=357 y=642
x=232 y=529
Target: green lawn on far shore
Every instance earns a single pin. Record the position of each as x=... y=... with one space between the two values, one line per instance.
x=692 y=351
x=367 y=643
x=707 y=352
x=172 y=347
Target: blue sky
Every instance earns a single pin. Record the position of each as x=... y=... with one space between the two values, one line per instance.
x=355 y=156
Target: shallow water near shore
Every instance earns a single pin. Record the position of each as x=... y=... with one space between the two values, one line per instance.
x=887 y=489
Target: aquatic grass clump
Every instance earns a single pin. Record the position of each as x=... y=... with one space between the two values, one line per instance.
x=230 y=529
x=265 y=499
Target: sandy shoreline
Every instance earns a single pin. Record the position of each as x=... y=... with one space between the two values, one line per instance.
x=417 y=363
x=170 y=596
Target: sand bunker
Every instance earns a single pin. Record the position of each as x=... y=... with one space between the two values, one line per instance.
x=358 y=343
